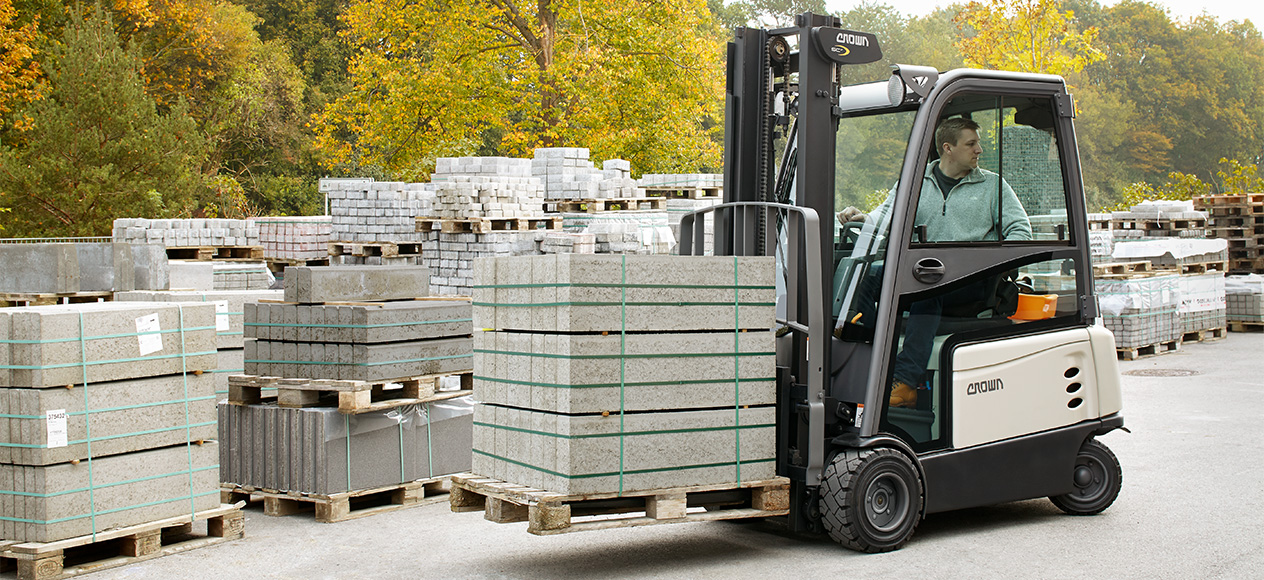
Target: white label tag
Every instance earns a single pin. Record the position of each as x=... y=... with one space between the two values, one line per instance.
x=149 y=343
x=221 y=315
x=57 y=428
x=860 y=414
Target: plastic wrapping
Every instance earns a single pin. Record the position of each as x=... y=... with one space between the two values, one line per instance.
x=1175 y=249
x=1244 y=284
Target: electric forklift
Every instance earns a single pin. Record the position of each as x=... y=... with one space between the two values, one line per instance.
x=1021 y=378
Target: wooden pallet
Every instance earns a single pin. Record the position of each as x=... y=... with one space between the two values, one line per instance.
x=383 y=249
x=1246 y=326
x=549 y=513
x=486 y=225
x=684 y=192
x=1196 y=268
x=122 y=547
x=1206 y=201
x=1151 y=224
x=1115 y=269
x=600 y=205
x=280 y=264
x=340 y=507
x=1148 y=350
x=351 y=397
x=219 y=253
x=46 y=298
x=1204 y=335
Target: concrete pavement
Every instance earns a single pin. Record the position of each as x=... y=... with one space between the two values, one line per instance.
x=1192 y=505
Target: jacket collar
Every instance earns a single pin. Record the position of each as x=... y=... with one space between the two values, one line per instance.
x=975 y=175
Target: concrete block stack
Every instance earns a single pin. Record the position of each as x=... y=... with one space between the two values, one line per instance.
x=567 y=173
x=681 y=181
x=450 y=256
x=230 y=308
x=71 y=268
x=1159 y=219
x=1203 y=302
x=621 y=373
x=486 y=187
x=318 y=450
x=184 y=233
x=295 y=238
x=569 y=243
x=1244 y=300
x=363 y=210
x=385 y=335
x=1141 y=310
x=624 y=232
x=678 y=207
x=1174 y=253
x=241 y=276
x=1101 y=239
x=107 y=419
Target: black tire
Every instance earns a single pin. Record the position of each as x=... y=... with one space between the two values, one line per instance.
x=1097 y=478
x=871 y=499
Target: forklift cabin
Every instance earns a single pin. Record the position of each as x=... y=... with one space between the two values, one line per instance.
x=1020 y=376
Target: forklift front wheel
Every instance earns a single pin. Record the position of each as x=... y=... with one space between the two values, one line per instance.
x=871 y=499
x=1097 y=477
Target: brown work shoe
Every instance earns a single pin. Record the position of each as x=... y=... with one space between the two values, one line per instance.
x=903 y=395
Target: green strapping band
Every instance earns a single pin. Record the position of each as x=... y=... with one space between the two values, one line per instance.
x=623 y=286
x=105 y=410
x=103 y=486
x=623 y=340
x=188 y=430
x=622 y=356
x=389 y=362
x=190 y=497
x=104 y=336
x=610 y=385
x=103 y=362
x=618 y=473
x=623 y=433
x=87 y=425
x=737 y=385
x=109 y=437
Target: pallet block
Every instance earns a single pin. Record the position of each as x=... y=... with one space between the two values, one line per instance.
x=339 y=507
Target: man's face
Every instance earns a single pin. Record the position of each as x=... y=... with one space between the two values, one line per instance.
x=964 y=155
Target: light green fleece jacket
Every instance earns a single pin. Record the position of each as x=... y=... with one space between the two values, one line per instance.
x=970 y=212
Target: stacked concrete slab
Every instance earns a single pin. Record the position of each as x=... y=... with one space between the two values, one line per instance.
x=337 y=323
x=322 y=451
x=295 y=238
x=1142 y=310
x=186 y=232
x=363 y=210
x=568 y=173
x=211 y=276
x=1159 y=219
x=621 y=373
x=1244 y=296
x=569 y=243
x=624 y=232
x=678 y=207
x=486 y=187
x=68 y=268
x=1203 y=305
x=106 y=416
x=682 y=181
x=450 y=256
x=230 y=307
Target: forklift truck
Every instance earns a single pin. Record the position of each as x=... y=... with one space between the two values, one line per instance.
x=1022 y=377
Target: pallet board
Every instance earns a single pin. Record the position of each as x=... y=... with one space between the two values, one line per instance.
x=124 y=546
x=549 y=513
x=489 y=224
x=350 y=396
x=1121 y=268
x=1204 y=335
x=1148 y=350
x=382 y=249
x=47 y=298
x=1246 y=326
x=218 y=253
x=601 y=205
x=340 y=507
x=685 y=192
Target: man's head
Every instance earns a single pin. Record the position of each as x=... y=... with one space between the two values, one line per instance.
x=958 y=142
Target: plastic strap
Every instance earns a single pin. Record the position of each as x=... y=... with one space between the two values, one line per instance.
x=623 y=340
x=346 y=421
x=737 y=384
x=87 y=425
x=429 y=441
x=400 y=424
x=188 y=431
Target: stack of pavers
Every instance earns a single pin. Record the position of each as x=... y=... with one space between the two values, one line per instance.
x=52 y=272
x=297 y=240
x=1244 y=297
x=477 y=188
x=1142 y=310
x=187 y=233
x=1201 y=266
x=108 y=418
x=384 y=335
x=1159 y=219
x=568 y=176
x=1239 y=220
x=623 y=232
x=1101 y=239
x=685 y=193
x=357 y=363
x=621 y=374
x=229 y=319
x=364 y=210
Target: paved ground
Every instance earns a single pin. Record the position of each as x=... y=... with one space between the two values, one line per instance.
x=1192 y=506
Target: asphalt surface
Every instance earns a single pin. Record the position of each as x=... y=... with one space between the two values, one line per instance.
x=1192 y=505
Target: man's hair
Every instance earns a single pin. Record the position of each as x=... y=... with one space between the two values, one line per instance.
x=949 y=131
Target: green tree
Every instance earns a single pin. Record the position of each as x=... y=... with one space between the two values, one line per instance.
x=635 y=79
x=100 y=148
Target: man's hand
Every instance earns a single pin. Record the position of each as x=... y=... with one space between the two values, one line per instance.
x=851 y=214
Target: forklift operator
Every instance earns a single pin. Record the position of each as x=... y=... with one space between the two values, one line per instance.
x=965 y=211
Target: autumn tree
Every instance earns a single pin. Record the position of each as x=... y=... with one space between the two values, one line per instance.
x=100 y=149
x=18 y=69
x=634 y=79
x=1026 y=36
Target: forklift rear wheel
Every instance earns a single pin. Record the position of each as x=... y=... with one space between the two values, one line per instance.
x=1097 y=479
x=871 y=499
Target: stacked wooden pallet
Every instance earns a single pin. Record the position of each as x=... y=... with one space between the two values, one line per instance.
x=1239 y=219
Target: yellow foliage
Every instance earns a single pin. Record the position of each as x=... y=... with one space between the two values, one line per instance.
x=1025 y=36
x=18 y=69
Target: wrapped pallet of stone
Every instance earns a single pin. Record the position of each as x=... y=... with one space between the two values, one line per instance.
x=295 y=237
x=450 y=256
x=1141 y=310
x=1173 y=253
x=1244 y=299
x=319 y=450
x=621 y=373
x=100 y=408
x=1202 y=301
